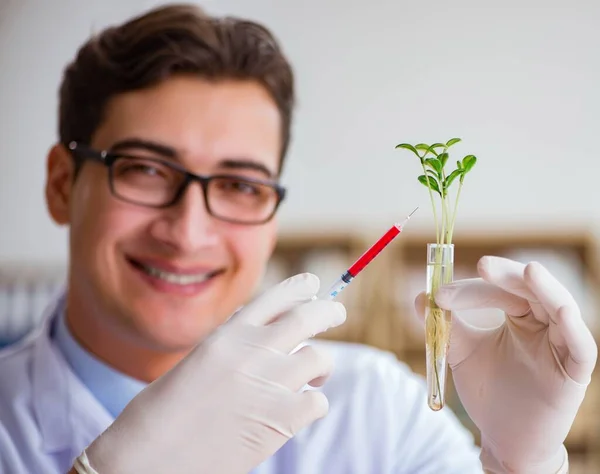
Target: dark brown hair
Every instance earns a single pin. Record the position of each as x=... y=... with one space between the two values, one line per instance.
x=178 y=38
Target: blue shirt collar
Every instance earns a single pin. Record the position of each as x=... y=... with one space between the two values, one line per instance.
x=113 y=389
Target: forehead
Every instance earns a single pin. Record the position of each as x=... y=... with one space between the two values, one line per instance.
x=205 y=122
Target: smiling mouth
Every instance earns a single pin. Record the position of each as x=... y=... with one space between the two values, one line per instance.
x=173 y=277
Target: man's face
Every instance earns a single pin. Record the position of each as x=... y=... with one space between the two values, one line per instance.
x=127 y=260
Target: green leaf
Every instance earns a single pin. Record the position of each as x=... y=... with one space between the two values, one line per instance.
x=435 y=164
x=468 y=162
x=431 y=149
x=438 y=145
x=459 y=165
x=408 y=147
x=432 y=174
x=443 y=157
x=452 y=141
x=432 y=184
x=426 y=148
x=451 y=177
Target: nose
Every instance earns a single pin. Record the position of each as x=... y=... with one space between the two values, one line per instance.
x=186 y=226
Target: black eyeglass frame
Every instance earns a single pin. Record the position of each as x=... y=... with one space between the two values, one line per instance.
x=108 y=158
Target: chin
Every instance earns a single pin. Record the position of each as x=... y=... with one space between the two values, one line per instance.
x=176 y=339
x=176 y=342
x=172 y=323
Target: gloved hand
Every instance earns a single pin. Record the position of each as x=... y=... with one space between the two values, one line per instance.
x=523 y=382
x=235 y=399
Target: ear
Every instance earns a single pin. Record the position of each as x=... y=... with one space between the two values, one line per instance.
x=60 y=174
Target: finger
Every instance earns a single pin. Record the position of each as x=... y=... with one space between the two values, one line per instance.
x=279 y=299
x=309 y=365
x=420 y=305
x=311 y=405
x=475 y=293
x=581 y=345
x=548 y=290
x=292 y=414
x=304 y=322
x=506 y=274
x=464 y=338
x=510 y=276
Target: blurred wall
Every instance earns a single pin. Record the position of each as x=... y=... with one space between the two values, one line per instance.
x=518 y=81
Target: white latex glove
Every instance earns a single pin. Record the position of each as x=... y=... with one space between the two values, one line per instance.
x=235 y=399
x=523 y=382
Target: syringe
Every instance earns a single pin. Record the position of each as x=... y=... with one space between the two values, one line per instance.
x=363 y=260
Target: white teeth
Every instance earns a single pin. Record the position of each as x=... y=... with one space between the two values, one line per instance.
x=175 y=278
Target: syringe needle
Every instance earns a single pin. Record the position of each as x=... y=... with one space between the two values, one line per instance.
x=399 y=226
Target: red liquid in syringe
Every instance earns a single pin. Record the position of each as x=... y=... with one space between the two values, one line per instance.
x=364 y=260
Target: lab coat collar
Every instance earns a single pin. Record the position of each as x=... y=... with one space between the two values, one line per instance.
x=49 y=397
x=56 y=408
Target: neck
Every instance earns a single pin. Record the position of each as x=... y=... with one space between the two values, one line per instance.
x=114 y=346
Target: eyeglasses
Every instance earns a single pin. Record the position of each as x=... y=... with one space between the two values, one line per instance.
x=159 y=183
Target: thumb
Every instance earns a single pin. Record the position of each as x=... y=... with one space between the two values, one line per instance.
x=464 y=338
x=420 y=305
x=284 y=296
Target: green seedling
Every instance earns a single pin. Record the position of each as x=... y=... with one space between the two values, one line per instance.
x=437 y=180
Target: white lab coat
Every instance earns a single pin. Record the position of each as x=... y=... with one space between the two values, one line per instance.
x=378 y=422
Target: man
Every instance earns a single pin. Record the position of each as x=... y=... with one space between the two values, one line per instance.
x=173 y=131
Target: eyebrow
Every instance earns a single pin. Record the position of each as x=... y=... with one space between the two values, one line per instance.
x=158 y=148
x=170 y=152
x=245 y=164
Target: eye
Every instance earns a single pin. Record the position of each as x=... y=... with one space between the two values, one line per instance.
x=139 y=168
x=142 y=168
x=241 y=187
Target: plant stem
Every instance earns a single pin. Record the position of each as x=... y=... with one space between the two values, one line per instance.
x=455 y=208
x=447 y=220
x=437 y=234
